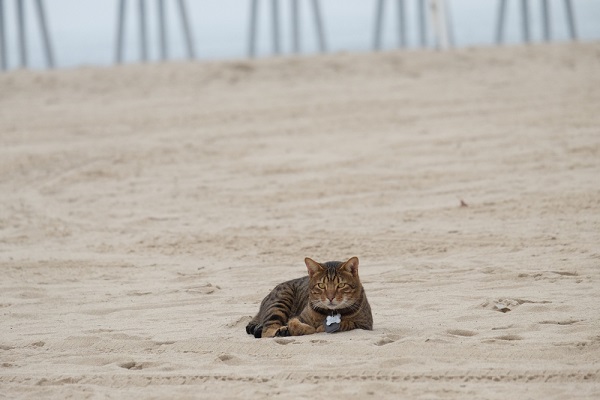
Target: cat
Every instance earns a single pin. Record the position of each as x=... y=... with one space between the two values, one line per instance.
x=331 y=298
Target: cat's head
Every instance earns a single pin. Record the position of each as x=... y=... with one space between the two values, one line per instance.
x=333 y=285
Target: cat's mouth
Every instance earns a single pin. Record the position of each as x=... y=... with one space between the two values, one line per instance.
x=333 y=305
x=327 y=304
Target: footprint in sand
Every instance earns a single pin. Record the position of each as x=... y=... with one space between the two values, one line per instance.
x=565 y=322
x=228 y=359
x=506 y=305
x=387 y=340
x=509 y=337
x=283 y=341
x=461 y=332
x=131 y=365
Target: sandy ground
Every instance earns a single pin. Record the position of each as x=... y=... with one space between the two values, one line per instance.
x=146 y=210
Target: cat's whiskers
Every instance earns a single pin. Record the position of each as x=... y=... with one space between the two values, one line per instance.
x=343 y=304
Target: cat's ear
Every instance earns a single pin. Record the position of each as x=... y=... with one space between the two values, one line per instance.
x=351 y=266
x=312 y=266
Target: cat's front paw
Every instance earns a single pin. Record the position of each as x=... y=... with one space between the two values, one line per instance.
x=283 y=331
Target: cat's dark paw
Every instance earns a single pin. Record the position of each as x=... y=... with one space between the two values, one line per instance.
x=254 y=329
x=258 y=331
x=283 y=331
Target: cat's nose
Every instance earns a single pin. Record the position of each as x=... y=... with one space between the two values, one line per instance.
x=331 y=298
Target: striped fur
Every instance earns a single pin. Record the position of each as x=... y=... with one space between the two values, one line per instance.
x=300 y=306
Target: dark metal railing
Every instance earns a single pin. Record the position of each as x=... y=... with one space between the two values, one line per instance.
x=162 y=30
x=22 y=34
x=431 y=16
x=525 y=20
x=426 y=10
x=275 y=26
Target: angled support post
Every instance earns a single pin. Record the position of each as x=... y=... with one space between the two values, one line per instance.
x=319 y=26
x=162 y=30
x=252 y=28
x=423 y=23
x=187 y=32
x=500 y=23
x=143 y=30
x=41 y=14
x=449 y=21
x=275 y=26
x=525 y=20
x=379 y=11
x=21 y=34
x=401 y=24
x=545 y=20
x=120 y=31
x=570 y=19
x=3 y=59
x=295 y=26
x=439 y=22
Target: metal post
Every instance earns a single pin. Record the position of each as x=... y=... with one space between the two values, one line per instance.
x=525 y=20
x=378 y=24
x=275 y=26
x=120 y=31
x=3 y=59
x=501 y=19
x=21 y=33
x=401 y=24
x=162 y=30
x=423 y=23
x=187 y=32
x=143 y=31
x=546 y=20
x=45 y=36
x=570 y=19
x=252 y=28
x=319 y=25
x=449 y=21
x=295 y=26
x=438 y=15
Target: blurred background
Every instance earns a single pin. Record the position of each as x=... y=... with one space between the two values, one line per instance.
x=85 y=32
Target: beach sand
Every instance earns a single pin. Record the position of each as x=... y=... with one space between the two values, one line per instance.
x=145 y=211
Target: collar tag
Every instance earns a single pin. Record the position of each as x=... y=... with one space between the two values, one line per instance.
x=332 y=323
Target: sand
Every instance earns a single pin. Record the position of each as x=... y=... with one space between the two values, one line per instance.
x=145 y=211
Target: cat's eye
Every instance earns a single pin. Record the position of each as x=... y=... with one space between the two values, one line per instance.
x=321 y=285
x=342 y=285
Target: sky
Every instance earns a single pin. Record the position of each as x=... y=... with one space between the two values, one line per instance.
x=83 y=32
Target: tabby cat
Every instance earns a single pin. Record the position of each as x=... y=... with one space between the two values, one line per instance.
x=331 y=298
